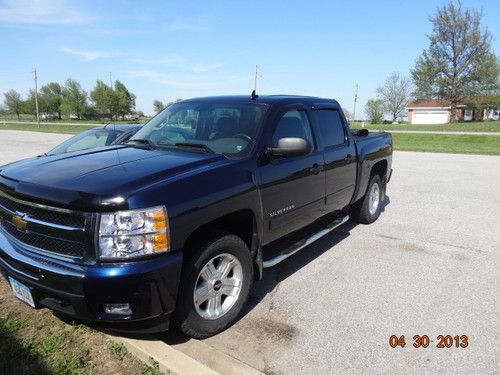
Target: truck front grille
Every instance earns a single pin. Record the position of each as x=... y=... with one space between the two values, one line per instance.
x=43 y=214
x=45 y=229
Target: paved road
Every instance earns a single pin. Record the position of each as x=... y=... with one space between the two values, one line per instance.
x=429 y=266
x=15 y=145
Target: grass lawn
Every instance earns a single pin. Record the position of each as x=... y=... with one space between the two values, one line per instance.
x=458 y=144
x=479 y=126
x=36 y=342
x=64 y=129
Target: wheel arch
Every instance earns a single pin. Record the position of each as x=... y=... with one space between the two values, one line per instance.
x=242 y=223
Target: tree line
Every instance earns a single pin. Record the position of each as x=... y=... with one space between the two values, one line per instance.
x=159 y=106
x=459 y=66
x=71 y=100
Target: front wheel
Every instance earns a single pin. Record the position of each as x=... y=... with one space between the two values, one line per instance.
x=368 y=208
x=215 y=285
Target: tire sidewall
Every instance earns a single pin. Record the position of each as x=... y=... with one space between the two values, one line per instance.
x=188 y=318
x=370 y=218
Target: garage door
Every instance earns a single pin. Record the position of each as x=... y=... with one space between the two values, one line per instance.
x=429 y=117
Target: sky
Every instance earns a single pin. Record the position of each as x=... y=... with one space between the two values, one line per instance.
x=181 y=49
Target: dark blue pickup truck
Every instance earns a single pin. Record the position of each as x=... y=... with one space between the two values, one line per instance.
x=175 y=225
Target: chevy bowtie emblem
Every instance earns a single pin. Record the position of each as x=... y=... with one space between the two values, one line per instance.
x=19 y=222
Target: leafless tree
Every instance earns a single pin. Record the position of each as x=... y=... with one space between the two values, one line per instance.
x=396 y=93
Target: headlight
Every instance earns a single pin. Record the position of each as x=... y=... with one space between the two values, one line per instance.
x=129 y=234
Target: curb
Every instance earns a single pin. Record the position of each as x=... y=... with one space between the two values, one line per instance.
x=208 y=360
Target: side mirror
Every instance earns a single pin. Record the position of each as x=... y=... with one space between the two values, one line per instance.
x=290 y=147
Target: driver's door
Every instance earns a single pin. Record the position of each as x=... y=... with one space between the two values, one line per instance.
x=292 y=189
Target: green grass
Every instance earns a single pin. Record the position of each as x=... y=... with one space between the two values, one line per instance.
x=64 y=129
x=479 y=126
x=37 y=342
x=457 y=144
x=31 y=118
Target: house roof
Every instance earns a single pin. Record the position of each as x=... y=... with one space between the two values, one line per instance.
x=431 y=103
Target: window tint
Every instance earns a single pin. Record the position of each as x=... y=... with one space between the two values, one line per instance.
x=293 y=124
x=225 y=128
x=86 y=140
x=330 y=124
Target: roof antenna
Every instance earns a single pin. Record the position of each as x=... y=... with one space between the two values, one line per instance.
x=254 y=92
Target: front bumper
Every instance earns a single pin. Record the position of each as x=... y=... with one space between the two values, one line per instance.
x=80 y=291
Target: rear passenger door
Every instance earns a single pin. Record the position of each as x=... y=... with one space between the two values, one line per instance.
x=339 y=155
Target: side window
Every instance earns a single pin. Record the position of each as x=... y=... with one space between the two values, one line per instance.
x=330 y=125
x=293 y=124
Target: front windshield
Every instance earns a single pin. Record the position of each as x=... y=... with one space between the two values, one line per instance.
x=88 y=139
x=220 y=128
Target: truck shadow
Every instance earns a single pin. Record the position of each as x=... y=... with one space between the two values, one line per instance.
x=17 y=358
x=273 y=276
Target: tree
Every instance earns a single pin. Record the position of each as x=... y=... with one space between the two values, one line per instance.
x=175 y=101
x=396 y=94
x=74 y=99
x=374 y=109
x=125 y=100
x=29 y=105
x=158 y=106
x=104 y=99
x=459 y=62
x=50 y=98
x=13 y=102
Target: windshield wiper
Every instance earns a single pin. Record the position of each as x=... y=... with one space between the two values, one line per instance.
x=141 y=141
x=200 y=146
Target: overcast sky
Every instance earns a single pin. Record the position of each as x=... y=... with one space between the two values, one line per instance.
x=180 y=49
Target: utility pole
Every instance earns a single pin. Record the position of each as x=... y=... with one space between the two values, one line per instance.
x=355 y=100
x=110 y=81
x=36 y=100
x=255 y=78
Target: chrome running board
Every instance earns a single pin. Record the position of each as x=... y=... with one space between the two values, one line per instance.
x=301 y=244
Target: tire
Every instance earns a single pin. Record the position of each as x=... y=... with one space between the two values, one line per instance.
x=368 y=208
x=226 y=288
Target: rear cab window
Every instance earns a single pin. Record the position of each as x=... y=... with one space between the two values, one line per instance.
x=330 y=126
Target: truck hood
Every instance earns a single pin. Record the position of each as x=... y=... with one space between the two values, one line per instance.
x=88 y=179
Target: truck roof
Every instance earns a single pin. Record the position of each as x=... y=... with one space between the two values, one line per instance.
x=266 y=99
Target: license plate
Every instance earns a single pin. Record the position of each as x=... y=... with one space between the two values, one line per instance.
x=22 y=292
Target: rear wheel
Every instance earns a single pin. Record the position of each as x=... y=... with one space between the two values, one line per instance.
x=368 y=208
x=215 y=284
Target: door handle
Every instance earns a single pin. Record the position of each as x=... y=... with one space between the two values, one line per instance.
x=315 y=169
x=348 y=158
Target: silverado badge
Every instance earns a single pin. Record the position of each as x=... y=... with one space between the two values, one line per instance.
x=19 y=222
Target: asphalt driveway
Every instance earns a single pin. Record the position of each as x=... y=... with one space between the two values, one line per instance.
x=429 y=266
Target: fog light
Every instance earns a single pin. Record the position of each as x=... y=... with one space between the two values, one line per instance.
x=117 y=309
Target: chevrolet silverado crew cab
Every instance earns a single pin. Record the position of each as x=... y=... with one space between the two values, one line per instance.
x=175 y=225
